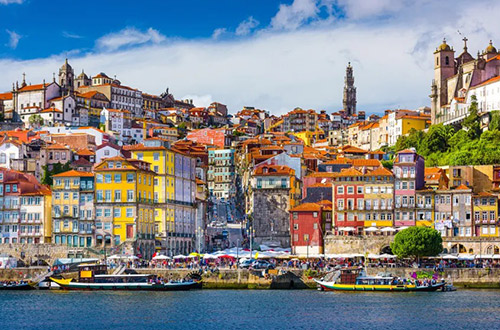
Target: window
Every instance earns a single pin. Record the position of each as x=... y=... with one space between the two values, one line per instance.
x=360 y=189
x=296 y=226
x=315 y=214
x=350 y=190
x=99 y=178
x=156 y=156
x=306 y=237
x=66 y=196
x=130 y=195
x=340 y=190
x=118 y=196
x=107 y=212
x=130 y=212
x=117 y=213
x=107 y=178
x=130 y=177
x=118 y=178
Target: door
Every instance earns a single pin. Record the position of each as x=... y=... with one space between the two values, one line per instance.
x=130 y=231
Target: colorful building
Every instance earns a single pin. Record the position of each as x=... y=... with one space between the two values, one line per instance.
x=485 y=214
x=306 y=228
x=73 y=209
x=378 y=199
x=221 y=173
x=124 y=205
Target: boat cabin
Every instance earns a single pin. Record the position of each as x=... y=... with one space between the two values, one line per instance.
x=87 y=272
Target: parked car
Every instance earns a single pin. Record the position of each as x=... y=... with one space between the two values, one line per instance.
x=262 y=264
x=246 y=263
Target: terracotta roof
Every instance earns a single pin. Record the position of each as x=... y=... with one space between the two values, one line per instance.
x=489 y=81
x=56 y=146
x=74 y=173
x=381 y=171
x=50 y=110
x=406 y=151
x=349 y=172
x=6 y=96
x=462 y=187
x=85 y=152
x=306 y=207
x=33 y=87
x=273 y=170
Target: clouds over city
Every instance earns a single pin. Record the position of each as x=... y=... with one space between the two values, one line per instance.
x=297 y=58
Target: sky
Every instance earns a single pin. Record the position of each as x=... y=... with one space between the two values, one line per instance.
x=271 y=54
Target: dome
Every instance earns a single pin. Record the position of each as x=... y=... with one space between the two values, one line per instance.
x=82 y=76
x=490 y=49
x=66 y=66
x=444 y=46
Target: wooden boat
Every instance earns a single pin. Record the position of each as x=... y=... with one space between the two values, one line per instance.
x=18 y=287
x=95 y=277
x=356 y=280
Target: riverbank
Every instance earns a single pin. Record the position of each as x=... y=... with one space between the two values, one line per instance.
x=476 y=278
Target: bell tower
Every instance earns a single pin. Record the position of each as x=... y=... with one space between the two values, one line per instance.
x=444 y=67
x=349 y=100
x=66 y=78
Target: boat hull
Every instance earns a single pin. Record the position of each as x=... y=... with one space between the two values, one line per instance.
x=331 y=286
x=76 y=286
x=18 y=287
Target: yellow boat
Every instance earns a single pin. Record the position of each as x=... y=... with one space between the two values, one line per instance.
x=356 y=280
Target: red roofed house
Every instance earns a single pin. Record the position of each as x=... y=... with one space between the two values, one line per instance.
x=307 y=228
x=220 y=137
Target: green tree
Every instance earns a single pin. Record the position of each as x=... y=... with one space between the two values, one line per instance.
x=388 y=164
x=471 y=122
x=56 y=169
x=436 y=140
x=35 y=120
x=494 y=120
x=417 y=242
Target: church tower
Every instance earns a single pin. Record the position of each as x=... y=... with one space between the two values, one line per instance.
x=66 y=78
x=349 y=101
x=444 y=67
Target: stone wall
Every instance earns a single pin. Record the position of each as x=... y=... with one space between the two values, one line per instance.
x=375 y=244
x=29 y=253
x=271 y=219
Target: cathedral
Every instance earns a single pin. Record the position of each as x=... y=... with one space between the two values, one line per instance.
x=458 y=79
x=349 y=101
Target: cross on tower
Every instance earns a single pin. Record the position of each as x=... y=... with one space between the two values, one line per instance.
x=465 y=42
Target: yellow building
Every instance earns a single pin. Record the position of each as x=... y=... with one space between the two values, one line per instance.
x=72 y=208
x=174 y=194
x=485 y=214
x=378 y=196
x=162 y=162
x=410 y=121
x=124 y=205
x=309 y=137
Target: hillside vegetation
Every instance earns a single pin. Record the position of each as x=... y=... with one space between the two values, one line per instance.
x=444 y=145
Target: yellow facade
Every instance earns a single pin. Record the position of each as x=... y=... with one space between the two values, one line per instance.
x=125 y=195
x=375 y=193
x=417 y=124
x=65 y=201
x=486 y=214
x=162 y=162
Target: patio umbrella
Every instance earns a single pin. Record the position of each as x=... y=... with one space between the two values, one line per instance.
x=161 y=257
x=347 y=229
x=180 y=256
x=388 y=229
x=371 y=229
x=401 y=228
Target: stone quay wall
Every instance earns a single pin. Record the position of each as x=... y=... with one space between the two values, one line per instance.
x=29 y=253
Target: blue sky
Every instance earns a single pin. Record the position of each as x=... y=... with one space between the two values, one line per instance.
x=271 y=54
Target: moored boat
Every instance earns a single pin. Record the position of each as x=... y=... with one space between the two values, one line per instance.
x=356 y=280
x=18 y=286
x=95 y=277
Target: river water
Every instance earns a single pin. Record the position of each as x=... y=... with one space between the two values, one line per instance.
x=250 y=309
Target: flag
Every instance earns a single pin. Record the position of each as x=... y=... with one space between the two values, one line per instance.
x=154 y=254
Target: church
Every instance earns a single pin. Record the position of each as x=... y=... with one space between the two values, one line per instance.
x=458 y=79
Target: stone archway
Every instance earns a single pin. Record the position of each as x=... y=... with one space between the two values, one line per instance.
x=386 y=250
x=492 y=249
x=458 y=248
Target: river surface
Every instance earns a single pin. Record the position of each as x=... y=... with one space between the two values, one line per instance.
x=250 y=309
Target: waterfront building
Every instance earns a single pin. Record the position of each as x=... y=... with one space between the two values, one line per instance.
x=221 y=173
x=348 y=202
x=409 y=168
x=174 y=194
x=275 y=190
x=378 y=199
x=124 y=205
x=424 y=207
x=462 y=210
x=73 y=208
x=25 y=207
x=485 y=214
x=307 y=228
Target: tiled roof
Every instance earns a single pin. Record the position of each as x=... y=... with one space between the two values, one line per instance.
x=74 y=173
x=306 y=207
x=273 y=170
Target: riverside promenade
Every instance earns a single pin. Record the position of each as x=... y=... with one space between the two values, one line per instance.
x=286 y=279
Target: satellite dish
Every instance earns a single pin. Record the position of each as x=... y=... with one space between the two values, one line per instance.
x=323 y=181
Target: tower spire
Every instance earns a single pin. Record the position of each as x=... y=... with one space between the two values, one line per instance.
x=349 y=101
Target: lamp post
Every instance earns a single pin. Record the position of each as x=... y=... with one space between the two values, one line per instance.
x=237 y=253
x=307 y=246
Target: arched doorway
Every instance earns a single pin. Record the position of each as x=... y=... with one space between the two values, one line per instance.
x=492 y=249
x=386 y=250
x=458 y=248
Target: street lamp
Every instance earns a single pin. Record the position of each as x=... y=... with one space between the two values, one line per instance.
x=307 y=246
x=238 y=253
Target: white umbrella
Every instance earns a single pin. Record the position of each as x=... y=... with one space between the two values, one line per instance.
x=180 y=256
x=132 y=257
x=373 y=256
x=115 y=256
x=387 y=256
x=448 y=256
x=161 y=257
x=401 y=228
x=371 y=229
x=347 y=229
x=388 y=229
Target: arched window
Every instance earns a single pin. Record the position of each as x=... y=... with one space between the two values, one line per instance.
x=447 y=60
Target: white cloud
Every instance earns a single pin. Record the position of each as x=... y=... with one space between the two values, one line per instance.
x=129 y=37
x=13 y=39
x=247 y=26
x=8 y=2
x=70 y=35
x=219 y=33
x=277 y=71
x=199 y=100
x=291 y=17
